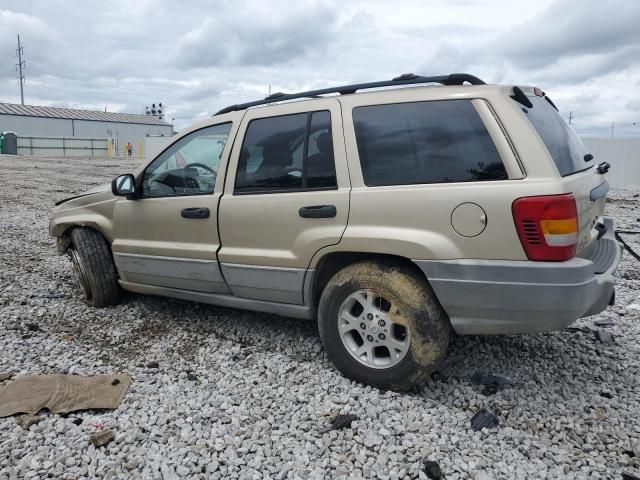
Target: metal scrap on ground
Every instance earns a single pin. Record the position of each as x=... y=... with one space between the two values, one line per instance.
x=62 y=393
x=484 y=418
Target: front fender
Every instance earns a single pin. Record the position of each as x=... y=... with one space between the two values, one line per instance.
x=83 y=213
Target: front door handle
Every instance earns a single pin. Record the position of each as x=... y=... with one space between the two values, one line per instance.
x=195 y=212
x=318 y=211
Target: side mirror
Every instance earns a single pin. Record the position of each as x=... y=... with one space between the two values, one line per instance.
x=124 y=186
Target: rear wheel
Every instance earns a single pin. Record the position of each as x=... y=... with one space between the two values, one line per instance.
x=381 y=325
x=95 y=272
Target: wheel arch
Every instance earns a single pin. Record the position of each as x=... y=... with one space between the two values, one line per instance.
x=62 y=233
x=331 y=263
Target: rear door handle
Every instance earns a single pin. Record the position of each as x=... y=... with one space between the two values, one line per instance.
x=195 y=212
x=318 y=211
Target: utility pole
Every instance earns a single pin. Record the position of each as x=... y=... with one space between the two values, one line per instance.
x=20 y=66
x=570 y=118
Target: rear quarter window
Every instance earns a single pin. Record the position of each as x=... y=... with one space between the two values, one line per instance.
x=564 y=146
x=425 y=142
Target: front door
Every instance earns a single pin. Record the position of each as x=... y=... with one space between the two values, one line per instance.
x=169 y=236
x=286 y=197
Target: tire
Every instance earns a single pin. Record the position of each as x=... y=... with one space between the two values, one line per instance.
x=94 y=268
x=408 y=324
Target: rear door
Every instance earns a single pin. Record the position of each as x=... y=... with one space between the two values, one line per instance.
x=569 y=154
x=286 y=196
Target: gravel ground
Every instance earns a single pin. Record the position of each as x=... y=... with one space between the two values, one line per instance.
x=248 y=395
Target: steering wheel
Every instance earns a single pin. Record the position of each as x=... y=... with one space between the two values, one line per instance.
x=201 y=165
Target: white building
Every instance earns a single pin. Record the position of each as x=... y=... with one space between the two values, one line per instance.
x=65 y=131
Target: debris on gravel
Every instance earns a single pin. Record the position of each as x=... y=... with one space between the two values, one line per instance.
x=576 y=328
x=603 y=322
x=153 y=365
x=492 y=383
x=484 y=418
x=343 y=421
x=102 y=437
x=604 y=336
x=77 y=421
x=432 y=469
x=61 y=394
x=5 y=376
x=28 y=419
x=260 y=416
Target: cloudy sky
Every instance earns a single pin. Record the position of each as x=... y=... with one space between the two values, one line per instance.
x=199 y=56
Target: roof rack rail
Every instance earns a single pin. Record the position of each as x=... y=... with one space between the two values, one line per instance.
x=405 y=79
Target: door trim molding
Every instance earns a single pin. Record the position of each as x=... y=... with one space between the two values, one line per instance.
x=271 y=284
x=284 y=309
x=174 y=272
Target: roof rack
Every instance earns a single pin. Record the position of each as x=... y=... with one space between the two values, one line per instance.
x=405 y=79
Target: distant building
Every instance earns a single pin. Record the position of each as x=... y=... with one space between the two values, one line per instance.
x=83 y=130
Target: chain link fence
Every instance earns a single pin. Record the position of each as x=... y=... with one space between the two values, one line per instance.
x=63 y=146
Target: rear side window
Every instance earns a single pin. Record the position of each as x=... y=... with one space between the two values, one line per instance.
x=563 y=144
x=425 y=142
x=287 y=153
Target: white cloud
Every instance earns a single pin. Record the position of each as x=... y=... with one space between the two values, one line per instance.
x=199 y=56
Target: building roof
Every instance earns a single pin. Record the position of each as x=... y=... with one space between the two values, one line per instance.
x=71 y=113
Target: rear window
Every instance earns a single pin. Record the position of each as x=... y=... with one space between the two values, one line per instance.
x=425 y=142
x=563 y=144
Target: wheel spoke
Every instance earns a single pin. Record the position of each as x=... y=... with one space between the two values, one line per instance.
x=347 y=322
x=364 y=349
x=395 y=345
x=366 y=299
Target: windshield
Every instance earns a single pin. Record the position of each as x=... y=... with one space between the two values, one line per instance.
x=562 y=142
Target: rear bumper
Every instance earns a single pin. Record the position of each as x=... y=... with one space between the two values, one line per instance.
x=508 y=297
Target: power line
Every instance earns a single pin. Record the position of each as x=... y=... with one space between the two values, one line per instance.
x=93 y=98
x=101 y=86
x=20 y=66
x=164 y=89
x=36 y=58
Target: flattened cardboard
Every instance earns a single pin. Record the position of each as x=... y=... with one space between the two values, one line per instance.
x=62 y=393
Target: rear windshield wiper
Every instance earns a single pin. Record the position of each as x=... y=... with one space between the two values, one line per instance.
x=521 y=97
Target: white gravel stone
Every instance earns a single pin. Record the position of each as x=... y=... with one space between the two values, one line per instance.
x=266 y=392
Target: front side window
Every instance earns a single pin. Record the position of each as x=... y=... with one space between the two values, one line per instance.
x=425 y=142
x=189 y=166
x=287 y=153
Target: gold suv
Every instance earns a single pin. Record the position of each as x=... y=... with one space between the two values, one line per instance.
x=391 y=215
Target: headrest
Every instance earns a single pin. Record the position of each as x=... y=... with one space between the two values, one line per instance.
x=275 y=155
x=324 y=143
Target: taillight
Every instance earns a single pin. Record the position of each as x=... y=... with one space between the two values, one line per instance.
x=547 y=226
